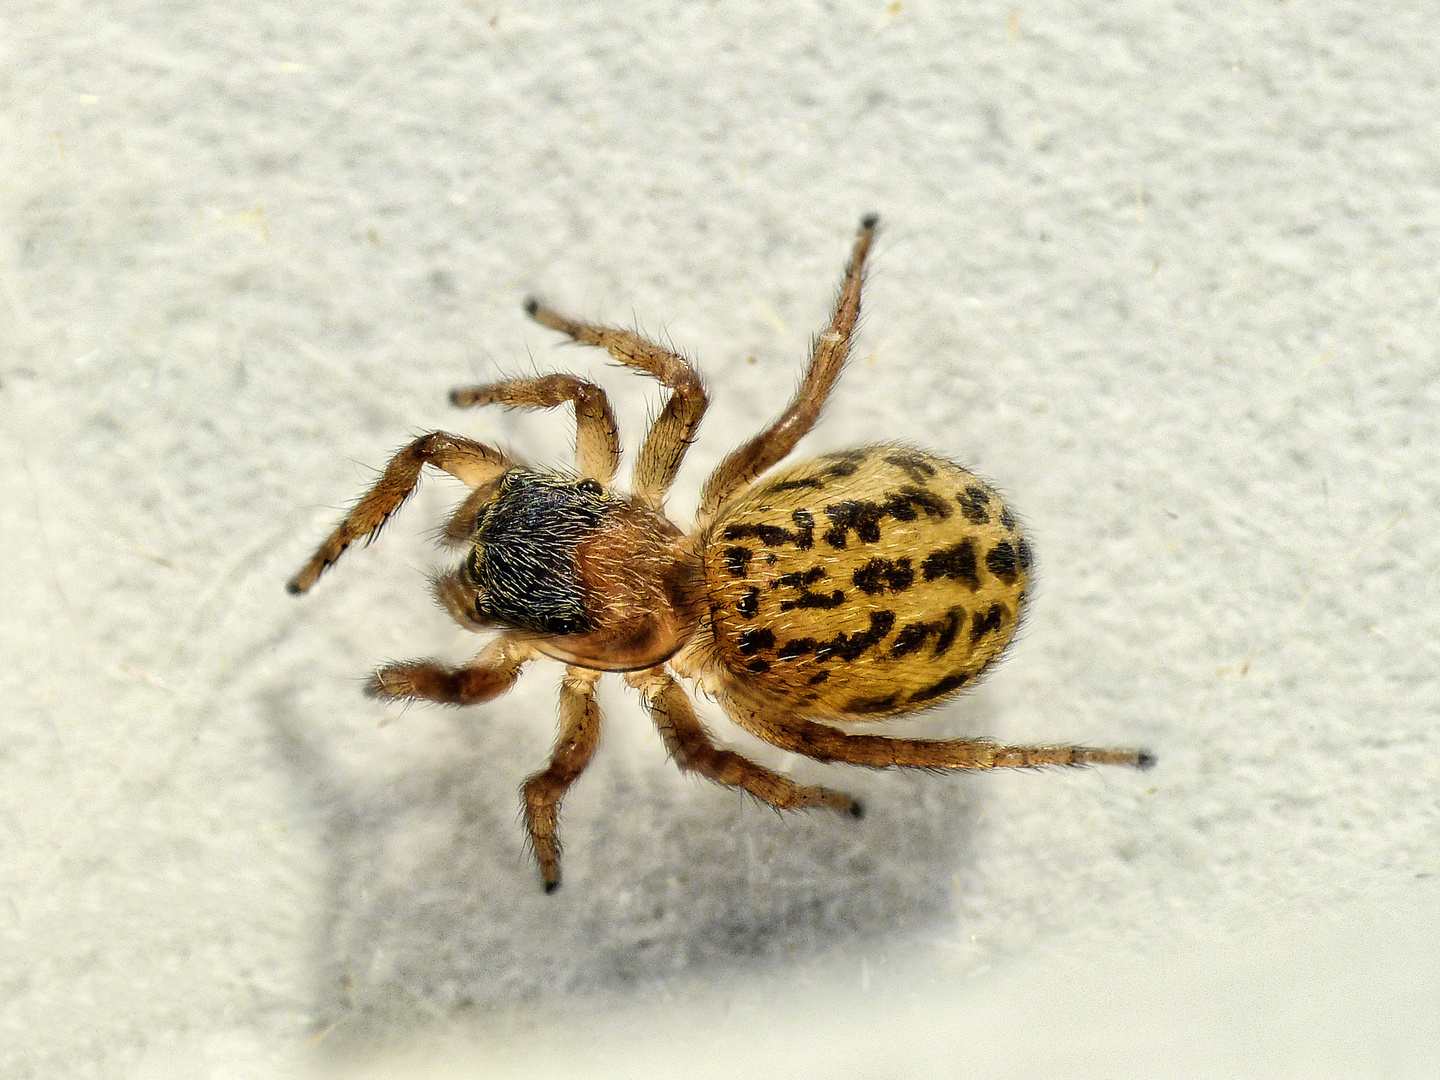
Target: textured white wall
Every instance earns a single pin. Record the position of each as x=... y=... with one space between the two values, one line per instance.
x=1167 y=272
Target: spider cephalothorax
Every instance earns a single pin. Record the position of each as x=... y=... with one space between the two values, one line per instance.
x=526 y=546
x=595 y=576
x=860 y=585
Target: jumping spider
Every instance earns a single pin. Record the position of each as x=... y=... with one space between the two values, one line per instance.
x=855 y=586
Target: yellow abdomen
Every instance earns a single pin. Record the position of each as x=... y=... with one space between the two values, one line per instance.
x=864 y=583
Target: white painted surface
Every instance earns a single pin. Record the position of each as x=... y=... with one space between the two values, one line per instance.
x=1168 y=274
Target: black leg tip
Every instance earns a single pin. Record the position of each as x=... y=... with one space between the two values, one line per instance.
x=293 y=586
x=551 y=886
x=857 y=809
x=1144 y=760
x=531 y=306
x=869 y=221
x=455 y=398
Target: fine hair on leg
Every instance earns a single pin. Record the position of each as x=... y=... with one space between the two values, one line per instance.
x=470 y=462
x=690 y=745
x=597 y=438
x=492 y=672
x=674 y=429
x=541 y=794
x=832 y=347
x=825 y=743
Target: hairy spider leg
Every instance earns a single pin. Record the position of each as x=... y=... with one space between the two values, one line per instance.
x=492 y=672
x=597 y=438
x=741 y=467
x=674 y=429
x=690 y=745
x=824 y=743
x=541 y=793
x=468 y=461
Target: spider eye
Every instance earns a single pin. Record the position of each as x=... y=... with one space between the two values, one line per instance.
x=590 y=487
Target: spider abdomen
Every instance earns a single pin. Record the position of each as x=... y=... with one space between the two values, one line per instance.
x=864 y=583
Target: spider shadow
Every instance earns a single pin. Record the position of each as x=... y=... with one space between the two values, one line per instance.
x=434 y=906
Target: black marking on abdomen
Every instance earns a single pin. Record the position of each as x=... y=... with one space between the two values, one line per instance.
x=975 y=503
x=864 y=516
x=872 y=705
x=991 y=621
x=1003 y=562
x=1007 y=518
x=956 y=562
x=749 y=604
x=758 y=667
x=849 y=648
x=800 y=581
x=842 y=646
x=803 y=536
x=947 y=685
x=800 y=646
x=818 y=678
x=795 y=485
x=877 y=575
x=1022 y=551
x=916 y=466
x=737 y=560
x=752 y=641
x=841 y=464
x=846 y=462
x=912 y=636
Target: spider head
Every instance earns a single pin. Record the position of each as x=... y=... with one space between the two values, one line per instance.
x=598 y=577
x=523 y=531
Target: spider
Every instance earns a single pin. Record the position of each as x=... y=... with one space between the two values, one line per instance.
x=858 y=585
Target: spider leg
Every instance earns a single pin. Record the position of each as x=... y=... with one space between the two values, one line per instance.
x=747 y=462
x=597 y=439
x=468 y=461
x=674 y=429
x=541 y=794
x=824 y=743
x=690 y=745
x=492 y=672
